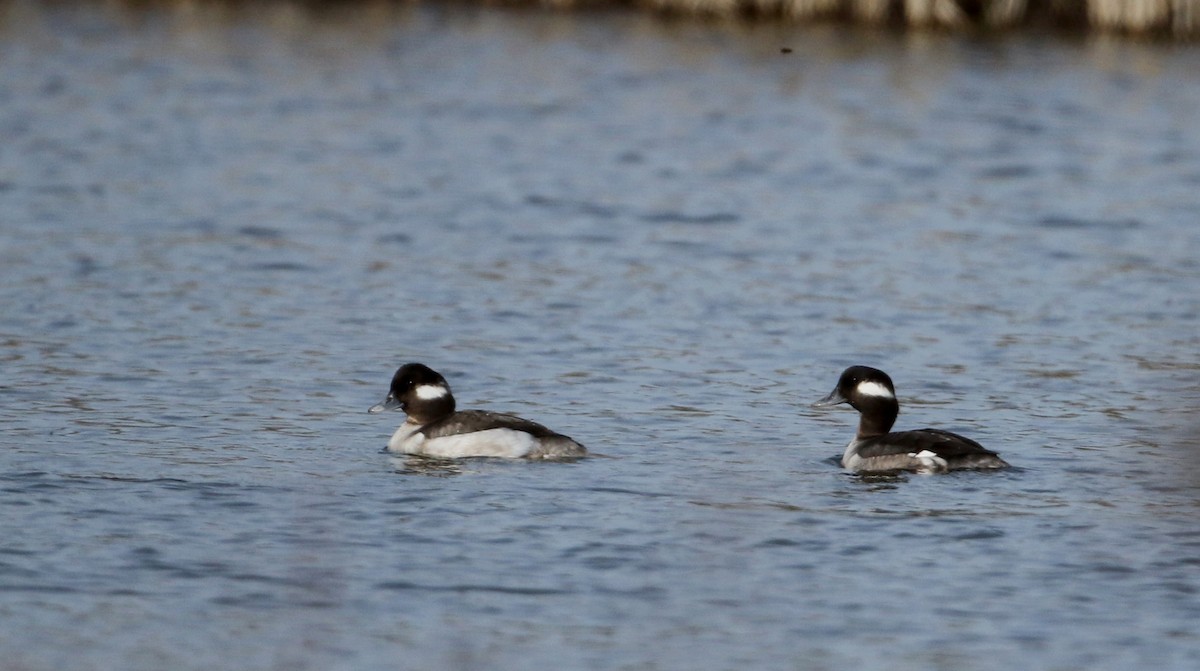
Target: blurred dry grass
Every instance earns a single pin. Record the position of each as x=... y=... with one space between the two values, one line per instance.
x=1177 y=18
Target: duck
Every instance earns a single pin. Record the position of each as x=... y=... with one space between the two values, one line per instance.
x=434 y=428
x=877 y=449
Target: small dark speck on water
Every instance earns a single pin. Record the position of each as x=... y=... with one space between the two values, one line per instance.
x=395 y=239
x=264 y=232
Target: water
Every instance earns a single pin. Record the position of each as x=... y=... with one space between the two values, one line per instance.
x=223 y=230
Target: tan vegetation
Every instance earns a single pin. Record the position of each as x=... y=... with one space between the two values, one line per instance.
x=1176 y=17
x=1179 y=18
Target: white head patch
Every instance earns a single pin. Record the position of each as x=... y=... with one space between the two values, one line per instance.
x=870 y=388
x=428 y=392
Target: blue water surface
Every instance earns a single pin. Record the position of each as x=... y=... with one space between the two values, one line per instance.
x=224 y=227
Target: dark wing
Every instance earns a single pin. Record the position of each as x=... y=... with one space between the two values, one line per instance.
x=467 y=421
x=949 y=446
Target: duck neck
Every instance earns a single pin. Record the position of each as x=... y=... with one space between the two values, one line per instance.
x=430 y=410
x=877 y=417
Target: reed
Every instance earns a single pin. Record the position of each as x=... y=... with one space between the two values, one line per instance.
x=1178 y=18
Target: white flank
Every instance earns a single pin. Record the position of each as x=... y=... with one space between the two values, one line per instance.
x=929 y=461
x=428 y=392
x=490 y=443
x=870 y=388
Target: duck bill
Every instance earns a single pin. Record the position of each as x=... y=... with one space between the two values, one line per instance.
x=389 y=403
x=835 y=397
